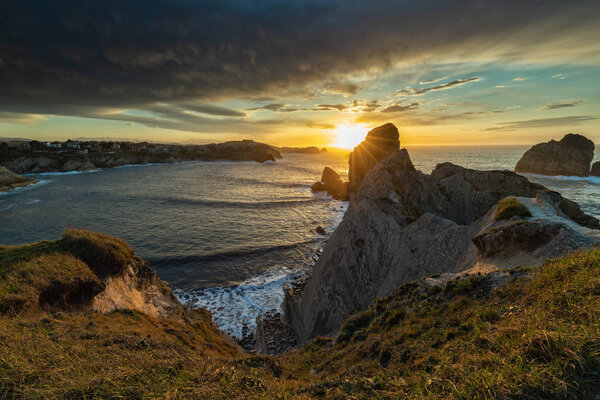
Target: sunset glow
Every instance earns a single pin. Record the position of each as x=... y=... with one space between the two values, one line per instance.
x=348 y=136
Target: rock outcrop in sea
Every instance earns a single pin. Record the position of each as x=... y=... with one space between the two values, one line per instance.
x=571 y=155
x=595 y=169
x=9 y=180
x=403 y=225
x=379 y=142
x=332 y=183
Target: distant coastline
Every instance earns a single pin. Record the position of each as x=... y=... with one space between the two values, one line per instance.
x=39 y=157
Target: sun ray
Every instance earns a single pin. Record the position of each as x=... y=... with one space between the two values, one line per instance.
x=348 y=135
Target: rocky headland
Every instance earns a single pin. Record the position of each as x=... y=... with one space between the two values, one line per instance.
x=403 y=225
x=108 y=155
x=572 y=156
x=9 y=180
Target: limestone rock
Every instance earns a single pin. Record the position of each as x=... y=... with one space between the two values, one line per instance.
x=571 y=155
x=595 y=169
x=379 y=142
x=10 y=180
x=402 y=225
x=332 y=183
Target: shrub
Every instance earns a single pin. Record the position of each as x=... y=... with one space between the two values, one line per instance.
x=511 y=207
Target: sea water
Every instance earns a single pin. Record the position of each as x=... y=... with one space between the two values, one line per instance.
x=226 y=235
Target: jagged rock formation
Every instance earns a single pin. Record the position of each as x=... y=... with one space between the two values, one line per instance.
x=10 y=180
x=332 y=183
x=379 y=142
x=595 y=169
x=571 y=155
x=403 y=225
x=244 y=150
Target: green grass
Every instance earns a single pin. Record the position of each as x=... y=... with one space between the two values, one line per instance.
x=537 y=337
x=511 y=207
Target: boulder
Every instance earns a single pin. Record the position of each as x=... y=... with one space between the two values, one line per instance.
x=379 y=142
x=332 y=183
x=403 y=225
x=595 y=169
x=571 y=155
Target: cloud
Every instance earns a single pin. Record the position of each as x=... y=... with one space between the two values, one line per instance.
x=542 y=123
x=520 y=79
x=330 y=107
x=342 y=88
x=433 y=80
x=400 y=107
x=564 y=104
x=559 y=76
x=277 y=107
x=429 y=118
x=129 y=54
x=212 y=110
x=20 y=118
x=444 y=86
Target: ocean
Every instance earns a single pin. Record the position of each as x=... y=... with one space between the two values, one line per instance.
x=225 y=235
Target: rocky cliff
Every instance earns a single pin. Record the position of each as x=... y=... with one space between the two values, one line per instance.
x=379 y=142
x=83 y=271
x=402 y=225
x=571 y=155
x=9 y=180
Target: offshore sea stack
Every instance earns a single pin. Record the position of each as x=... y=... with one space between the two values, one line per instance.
x=571 y=155
x=332 y=183
x=403 y=225
x=379 y=142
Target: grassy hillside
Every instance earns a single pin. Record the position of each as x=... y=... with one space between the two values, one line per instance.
x=537 y=337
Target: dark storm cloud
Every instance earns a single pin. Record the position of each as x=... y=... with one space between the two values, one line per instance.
x=443 y=86
x=71 y=54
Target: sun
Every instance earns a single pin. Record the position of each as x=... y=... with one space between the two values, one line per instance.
x=348 y=136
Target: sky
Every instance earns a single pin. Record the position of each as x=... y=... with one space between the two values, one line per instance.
x=300 y=72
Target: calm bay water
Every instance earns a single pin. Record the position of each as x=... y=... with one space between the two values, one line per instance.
x=225 y=235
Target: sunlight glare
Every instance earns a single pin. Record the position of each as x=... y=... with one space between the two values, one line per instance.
x=348 y=136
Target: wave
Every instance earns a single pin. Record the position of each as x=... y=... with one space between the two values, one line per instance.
x=284 y=185
x=226 y=255
x=28 y=187
x=232 y=204
x=65 y=173
x=589 y=179
x=234 y=307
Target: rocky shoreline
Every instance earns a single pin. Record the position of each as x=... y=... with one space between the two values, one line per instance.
x=9 y=180
x=28 y=161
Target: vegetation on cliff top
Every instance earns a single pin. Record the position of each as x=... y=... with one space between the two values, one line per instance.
x=511 y=207
x=537 y=337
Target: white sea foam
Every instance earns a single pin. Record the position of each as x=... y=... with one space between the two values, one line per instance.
x=28 y=187
x=588 y=179
x=236 y=306
x=67 y=173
